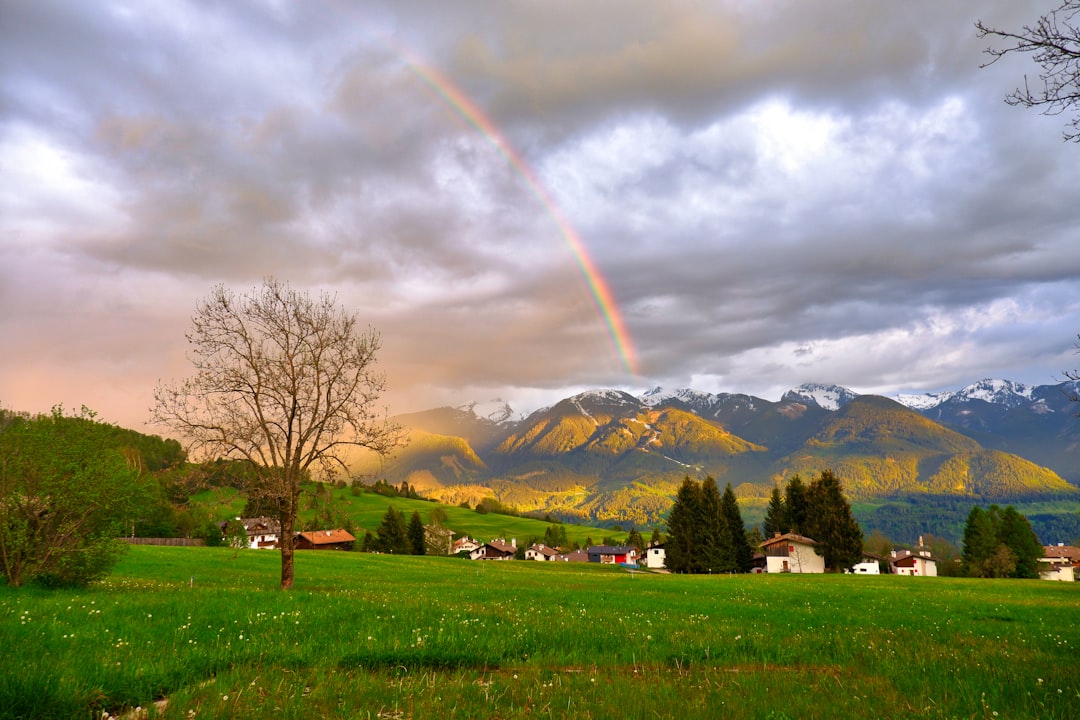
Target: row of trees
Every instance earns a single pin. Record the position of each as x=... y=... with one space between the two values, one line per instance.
x=1000 y=544
x=705 y=531
x=818 y=511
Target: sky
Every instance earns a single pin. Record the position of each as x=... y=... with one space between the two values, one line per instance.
x=531 y=199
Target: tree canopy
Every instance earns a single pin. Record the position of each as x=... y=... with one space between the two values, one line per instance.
x=67 y=493
x=284 y=382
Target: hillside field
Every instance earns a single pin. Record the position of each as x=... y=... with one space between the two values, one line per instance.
x=206 y=633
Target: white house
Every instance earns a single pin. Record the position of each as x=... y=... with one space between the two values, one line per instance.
x=791 y=553
x=866 y=567
x=495 y=550
x=1059 y=562
x=917 y=563
x=541 y=553
x=262 y=532
x=655 y=556
x=465 y=544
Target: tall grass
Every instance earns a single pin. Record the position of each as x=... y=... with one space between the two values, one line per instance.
x=396 y=637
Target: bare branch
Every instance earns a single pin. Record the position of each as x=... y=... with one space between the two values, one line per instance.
x=284 y=382
x=1054 y=43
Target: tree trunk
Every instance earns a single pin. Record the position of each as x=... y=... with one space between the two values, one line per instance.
x=288 y=546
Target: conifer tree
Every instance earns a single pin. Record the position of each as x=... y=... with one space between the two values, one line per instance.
x=829 y=522
x=682 y=541
x=776 y=515
x=795 y=504
x=980 y=542
x=741 y=550
x=1016 y=534
x=656 y=537
x=716 y=552
x=391 y=533
x=416 y=534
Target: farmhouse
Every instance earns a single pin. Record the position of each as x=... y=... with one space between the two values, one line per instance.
x=613 y=554
x=575 y=556
x=495 y=550
x=541 y=552
x=791 y=553
x=464 y=544
x=1059 y=562
x=908 y=562
x=325 y=540
x=262 y=532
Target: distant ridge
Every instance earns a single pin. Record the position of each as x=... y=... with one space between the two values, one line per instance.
x=607 y=455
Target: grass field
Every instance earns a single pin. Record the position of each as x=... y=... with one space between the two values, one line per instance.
x=366 y=510
x=370 y=636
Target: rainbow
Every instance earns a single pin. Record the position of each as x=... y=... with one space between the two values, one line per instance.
x=598 y=287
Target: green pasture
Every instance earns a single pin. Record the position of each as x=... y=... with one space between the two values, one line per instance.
x=366 y=510
x=205 y=632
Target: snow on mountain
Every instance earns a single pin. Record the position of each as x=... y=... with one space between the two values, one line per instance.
x=703 y=403
x=827 y=397
x=1000 y=392
x=924 y=401
x=497 y=411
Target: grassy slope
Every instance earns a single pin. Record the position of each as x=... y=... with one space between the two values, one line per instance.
x=367 y=509
x=398 y=637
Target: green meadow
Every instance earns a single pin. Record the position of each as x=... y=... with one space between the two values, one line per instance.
x=204 y=632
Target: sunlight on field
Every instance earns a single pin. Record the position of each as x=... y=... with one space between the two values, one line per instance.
x=206 y=631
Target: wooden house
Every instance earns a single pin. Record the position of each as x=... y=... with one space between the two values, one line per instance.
x=495 y=550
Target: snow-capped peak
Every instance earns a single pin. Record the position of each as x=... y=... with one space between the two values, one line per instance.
x=924 y=401
x=1003 y=392
x=1000 y=392
x=827 y=397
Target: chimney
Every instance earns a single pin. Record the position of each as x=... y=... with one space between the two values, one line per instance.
x=776 y=535
x=513 y=542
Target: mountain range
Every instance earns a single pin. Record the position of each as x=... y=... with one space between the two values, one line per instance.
x=607 y=455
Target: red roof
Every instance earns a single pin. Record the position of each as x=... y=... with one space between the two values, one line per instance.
x=327 y=537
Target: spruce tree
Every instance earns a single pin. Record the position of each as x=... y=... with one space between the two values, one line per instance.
x=829 y=522
x=743 y=554
x=682 y=523
x=1016 y=534
x=416 y=534
x=980 y=542
x=716 y=551
x=391 y=533
x=795 y=504
x=656 y=538
x=776 y=515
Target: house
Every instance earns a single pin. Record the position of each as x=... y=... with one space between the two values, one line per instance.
x=497 y=549
x=324 y=540
x=654 y=556
x=791 y=553
x=464 y=544
x=869 y=565
x=1059 y=562
x=262 y=532
x=913 y=562
x=575 y=556
x=541 y=552
x=613 y=554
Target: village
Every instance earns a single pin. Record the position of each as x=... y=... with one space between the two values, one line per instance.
x=783 y=553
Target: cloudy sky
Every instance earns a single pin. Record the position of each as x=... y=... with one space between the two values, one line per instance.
x=773 y=193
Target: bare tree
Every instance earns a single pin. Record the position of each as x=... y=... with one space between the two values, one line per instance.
x=1054 y=43
x=283 y=382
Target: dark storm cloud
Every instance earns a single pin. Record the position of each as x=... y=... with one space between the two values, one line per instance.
x=775 y=193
